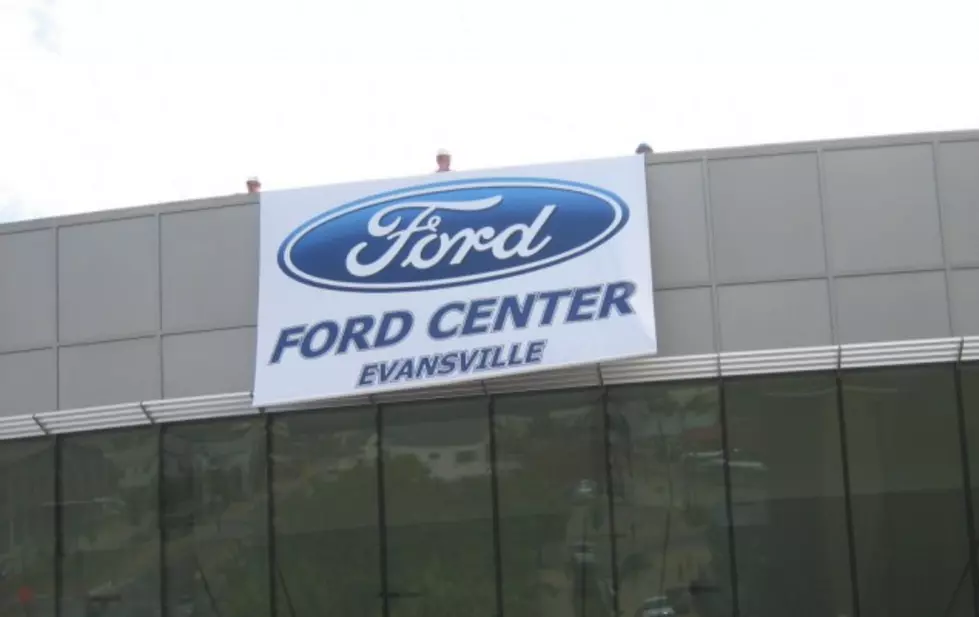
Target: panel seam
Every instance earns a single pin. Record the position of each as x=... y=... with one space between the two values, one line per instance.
x=939 y=206
x=711 y=265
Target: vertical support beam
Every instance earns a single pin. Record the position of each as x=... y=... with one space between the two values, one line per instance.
x=273 y=564
x=970 y=512
x=161 y=518
x=847 y=494
x=59 y=540
x=729 y=502
x=59 y=544
x=382 y=527
x=495 y=496
x=609 y=491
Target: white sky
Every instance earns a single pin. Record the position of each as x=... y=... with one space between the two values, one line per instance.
x=110 y=103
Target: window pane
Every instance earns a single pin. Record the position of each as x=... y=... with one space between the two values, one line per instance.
x=110 y=524
x=670 y=514
x=27 y=528
x=554 y=522
x=970 y=400
x=215 y=519
x=906 y=480
x=439 y=511
x=325 y=489
x=788 y=497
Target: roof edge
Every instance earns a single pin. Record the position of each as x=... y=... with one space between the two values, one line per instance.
x=128 y=212
x=771 y=149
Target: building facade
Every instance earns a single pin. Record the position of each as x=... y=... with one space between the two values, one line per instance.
x=806 y=441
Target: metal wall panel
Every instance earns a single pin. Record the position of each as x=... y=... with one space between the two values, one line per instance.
x=882 y=208
x=27 y=290
x=108 y=280
x=766 y=218
x=210 y=268
x=208 y=362
x=106 y=373
x=892 y=307
x=964 y=295
x=958 y=172
x=774 y=315
x=678 y=225
x=753 y=248
x=28 y=382
x=684 y=321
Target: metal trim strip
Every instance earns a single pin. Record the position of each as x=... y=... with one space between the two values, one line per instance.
x=639 y=370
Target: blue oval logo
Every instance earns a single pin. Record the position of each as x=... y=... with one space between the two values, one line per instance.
x=451 y=233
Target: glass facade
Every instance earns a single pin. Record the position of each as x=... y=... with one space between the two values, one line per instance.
x=109 y=520
x=813 y=495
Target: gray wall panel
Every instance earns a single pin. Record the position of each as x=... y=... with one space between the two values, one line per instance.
x=27 y=290
x=958 y=171
x=774 y=315
x=892 y=307
x=964 y=293
x=27 y=382
x=210 y=268
x=678 y=224
x=208 y=362
x=882 y=209
x=766 y=218
x=105 y=373
x=108 y=280
x=684 y=321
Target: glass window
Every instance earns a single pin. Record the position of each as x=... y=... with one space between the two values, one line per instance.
x=110 y=565
x=324 y=485
x=215 y=513
x=670 y=515
x=906 y=482
x=27 y=528
x=788 y=497
x=438 y=509
x=970 y=401
x=554 y=517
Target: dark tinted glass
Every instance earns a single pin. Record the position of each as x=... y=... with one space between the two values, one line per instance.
x=215 y=519
x=970 y=408
x=554 y=515
x=906 y=479
x=670 y=517
x=325 y=490
x=27 y=528
x=788 y=496
x=111 y=556
x=438 y=509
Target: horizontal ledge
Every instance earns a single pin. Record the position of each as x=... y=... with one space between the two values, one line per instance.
x=624 y=372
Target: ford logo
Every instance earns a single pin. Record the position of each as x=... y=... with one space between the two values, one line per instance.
x=451 y=233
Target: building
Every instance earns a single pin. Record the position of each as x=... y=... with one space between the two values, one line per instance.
x=805 y=442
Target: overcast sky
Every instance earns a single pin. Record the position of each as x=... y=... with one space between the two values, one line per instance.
x=111 y=103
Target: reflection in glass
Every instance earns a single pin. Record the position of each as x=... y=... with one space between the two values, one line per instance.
x=215 y=519
x=110 y=565
x=553 y=505
x=788 y=496
x=325 y=490
x=906 y=482
x=970 y=401
x=27 y=528
x=438 y=509
x=670 y=515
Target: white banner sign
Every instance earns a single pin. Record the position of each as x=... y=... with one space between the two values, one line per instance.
x=425 y=281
